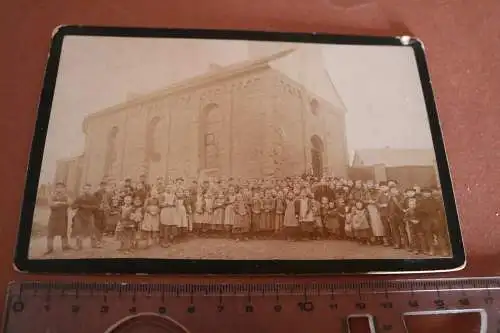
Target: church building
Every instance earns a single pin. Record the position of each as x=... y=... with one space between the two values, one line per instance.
x=277 y=113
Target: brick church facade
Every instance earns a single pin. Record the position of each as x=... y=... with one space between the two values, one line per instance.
x=249 y=119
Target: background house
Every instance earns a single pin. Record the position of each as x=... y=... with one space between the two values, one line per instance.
x=407 y=166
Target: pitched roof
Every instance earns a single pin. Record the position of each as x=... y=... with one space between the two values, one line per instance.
x=210 y=76
x=394 y=157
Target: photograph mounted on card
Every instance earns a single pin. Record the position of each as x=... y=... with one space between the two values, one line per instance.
x=231 y=152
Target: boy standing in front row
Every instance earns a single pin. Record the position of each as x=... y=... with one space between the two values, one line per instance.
x=83 y=222
x=429 y=211
x=58 y=219
x=125 y=229
x=416 y=224
x=382 y=203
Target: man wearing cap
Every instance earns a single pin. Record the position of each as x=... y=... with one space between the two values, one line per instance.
x=58 y=218
x=427 y=208
x=396 y=210
x=358 y=192
x=143 y=181
x=83 y=224
x=128 y=187
x=179 y=183
x=382 y=203
x=103 y=198
x=160 y=184
x=431 y=211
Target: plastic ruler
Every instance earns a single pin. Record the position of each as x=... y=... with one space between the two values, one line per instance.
x=272 y=307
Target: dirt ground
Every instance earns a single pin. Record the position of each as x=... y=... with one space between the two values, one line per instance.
x=221 y=248
x=217 y=248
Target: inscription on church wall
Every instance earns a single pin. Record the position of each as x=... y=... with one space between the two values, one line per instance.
x=290 y=115
x=250 y=106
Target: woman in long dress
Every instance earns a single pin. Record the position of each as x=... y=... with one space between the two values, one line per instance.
x=151 y=224
x=218 y=217
x=290 y=222
x=256 y=205
x=280 y=206
x=360 y=224
x=242 y=217
x=348 y=229
x=229 y=213
x=180 y=216
x=199 y=213
x=208 y=215
x=332 y=221
x=376 y=223
x=267 y=221
x=306 y=215
x=167 y=215
x=113 y=216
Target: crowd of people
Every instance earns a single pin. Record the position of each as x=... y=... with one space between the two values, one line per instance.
x=298 y=208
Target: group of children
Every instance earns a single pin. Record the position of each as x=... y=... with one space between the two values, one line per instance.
x=295 y=209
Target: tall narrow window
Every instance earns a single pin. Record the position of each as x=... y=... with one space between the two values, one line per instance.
x=317 y=149
x=111 y=153
x=211 y=131
x=152 y=154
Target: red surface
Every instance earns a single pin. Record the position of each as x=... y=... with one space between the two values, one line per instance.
x=462 y=39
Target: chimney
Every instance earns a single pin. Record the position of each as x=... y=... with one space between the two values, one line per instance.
x=214 y=67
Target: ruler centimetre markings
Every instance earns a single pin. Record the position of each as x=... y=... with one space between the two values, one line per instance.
x=385 y=300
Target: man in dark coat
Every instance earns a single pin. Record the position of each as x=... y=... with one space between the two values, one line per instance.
x=83 y=221
x=396 y=211
x=297 y=204
x=440 y=225
x=141 y=192
x=179 y=182
x=382 y=203
x=358 y=192
x=104 y=202
x=427 y=212
x=128 y=187
x=193 y=193
x=58 y=218
x=143 y=181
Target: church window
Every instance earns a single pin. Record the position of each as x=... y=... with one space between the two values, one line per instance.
x=211 y=130
x=317 y=151
x=111 y=150
x=209 y=139
x=314 y=105
x=152 y=153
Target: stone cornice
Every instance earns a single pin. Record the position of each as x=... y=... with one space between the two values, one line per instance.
x=296 y=86
x=192 y=83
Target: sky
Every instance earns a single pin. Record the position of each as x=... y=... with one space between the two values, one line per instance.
x=378 y=85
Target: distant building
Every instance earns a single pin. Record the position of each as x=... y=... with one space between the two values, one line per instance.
x=408 y=166
x=390 y=157
x=257 y=118
x=69 y=172
x=43 y=193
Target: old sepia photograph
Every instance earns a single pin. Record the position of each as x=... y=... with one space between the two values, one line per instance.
x=185 y=148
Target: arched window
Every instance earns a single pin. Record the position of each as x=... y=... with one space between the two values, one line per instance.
x=317 y=151
x=211 y=128
x=152 y=154
x=314 y=105
x=111 y=153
